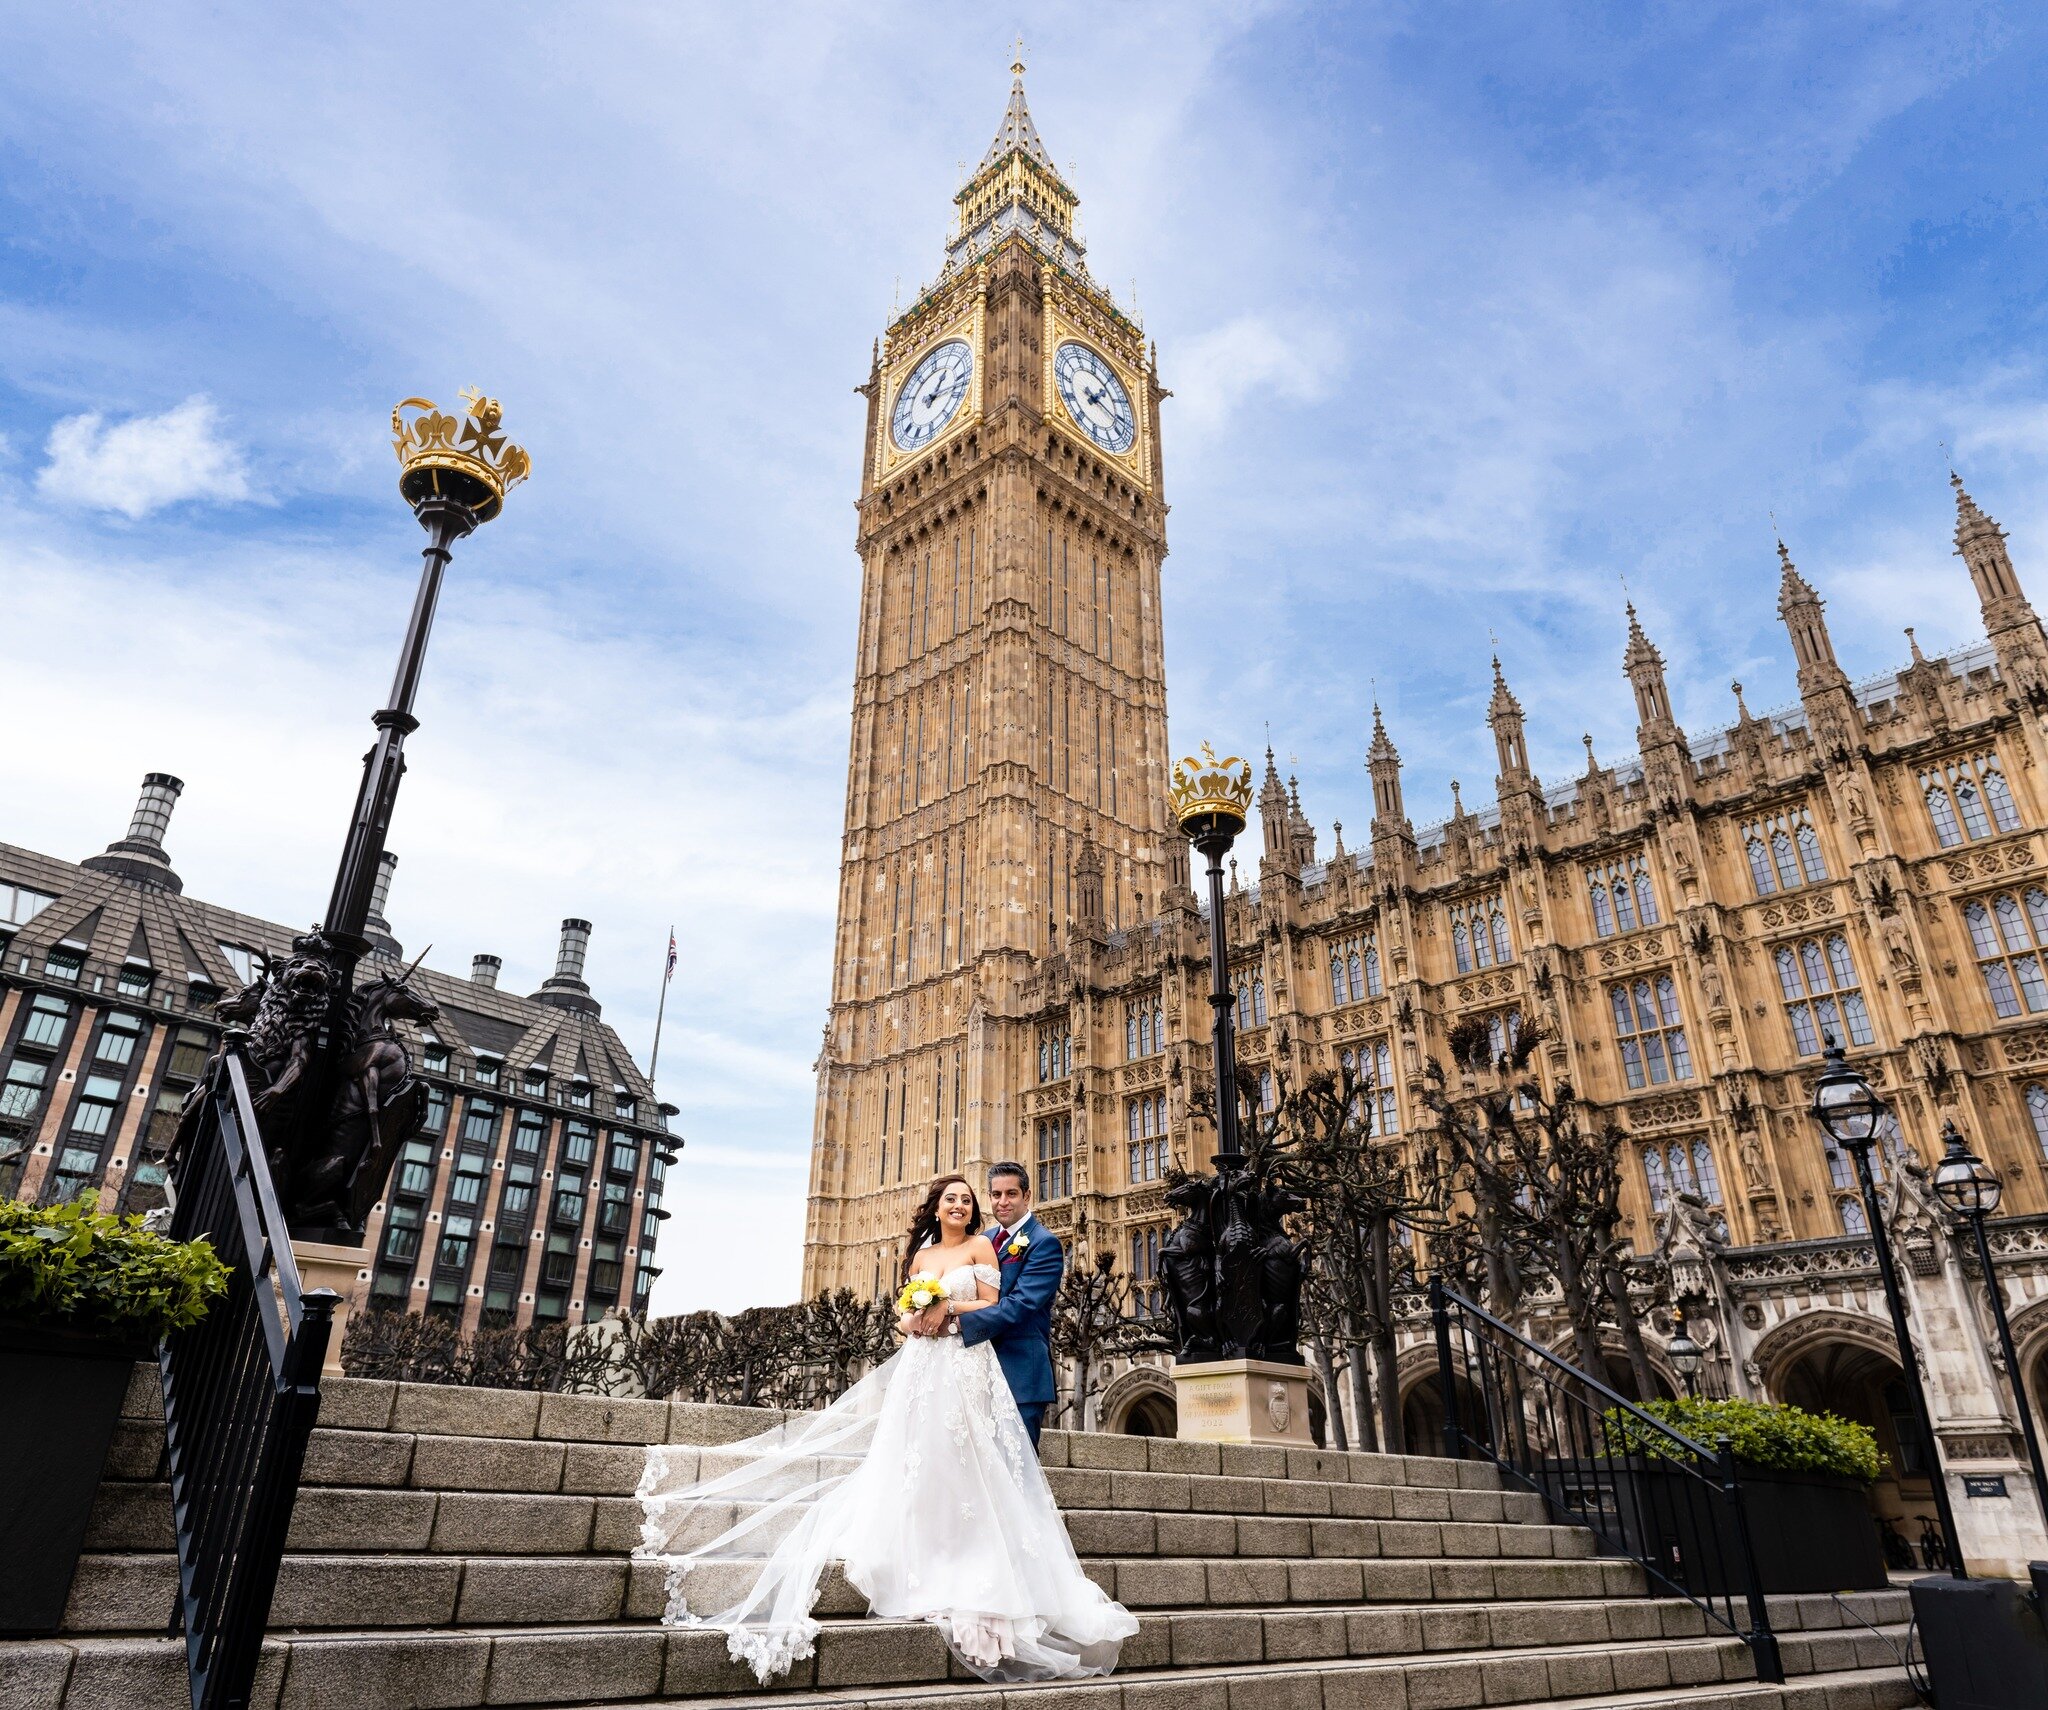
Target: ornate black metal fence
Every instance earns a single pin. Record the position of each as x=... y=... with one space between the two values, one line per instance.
x=241 y=1391
x=1644 y=1490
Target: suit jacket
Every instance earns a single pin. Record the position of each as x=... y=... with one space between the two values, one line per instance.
x=1020 y=1322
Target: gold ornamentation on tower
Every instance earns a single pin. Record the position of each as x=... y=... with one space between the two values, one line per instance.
x=467 y=460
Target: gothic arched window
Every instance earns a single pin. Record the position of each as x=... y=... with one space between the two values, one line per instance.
x=1823 y=996
x=1760 y=867
x=2009 y=957
x=1809 y=854
x=1782 y=859
x=1258 y=1001
x=1653 y=1173
x=2037 y=1113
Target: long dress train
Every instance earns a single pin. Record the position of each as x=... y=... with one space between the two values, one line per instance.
x=922 y=1480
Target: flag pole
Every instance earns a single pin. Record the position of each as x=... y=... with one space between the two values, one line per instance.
x=667 y=973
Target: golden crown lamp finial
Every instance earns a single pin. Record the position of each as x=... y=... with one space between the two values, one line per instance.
x=466 y=460
x=1211 y=796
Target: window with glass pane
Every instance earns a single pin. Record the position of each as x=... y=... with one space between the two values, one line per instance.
x=19 y=905
x=1784 y=852
x=1373 y=1065
x=1145 y=1137
x=529 y=1131
x=64 y=962
x=516 y=1203
x=388 y=1290
x=488 y=1070
x=1968 y=799
x=457 y=1229
x=433 y=1056
x=507 y=1258
x=625 y=1156
x=1479 y=934
x=135 y=980
x=579 y=1095
x=401 y=1232
x=1853 y=1220
x=1650 y=1031
x=2037 y=1114
x=1621 y=895
x=415 y=1167
x=444 y=1299
x=605 y=1269
x=535 y=1082
x=434 y=1113
x=21 y=1094
x=243 y=960
x=1823 y=996
x=650 y=1229
x=1355 y=968
x=615 y=1208
x=94 y=1112
x=550 y=1308
x=468 y=1186
x=1055 y=1157
x=119 y=1035
x=48 y=1018
x=579 y=1141
x=2007 y=932
x=189 y=1052
x=624 y=1103
x=559 y=1264
x=479 y=1123
x=569 y=1197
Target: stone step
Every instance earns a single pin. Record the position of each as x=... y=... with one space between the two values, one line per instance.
x=133 y=1592
x=615 y=1665
x=527 y=1416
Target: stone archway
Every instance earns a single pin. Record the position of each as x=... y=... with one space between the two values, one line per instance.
x=1139 y=1403
x=1846 y=1363
x=2030 y=1342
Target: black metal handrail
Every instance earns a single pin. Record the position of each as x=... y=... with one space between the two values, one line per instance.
x=1673 y=1506
x=241 y=1392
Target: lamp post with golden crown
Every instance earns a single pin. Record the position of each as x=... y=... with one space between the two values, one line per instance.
x=1211 y=798
x=1230 y=1274
x=332 y=1084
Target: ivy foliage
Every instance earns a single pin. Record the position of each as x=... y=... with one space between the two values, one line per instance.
x=73 y=1267
x=1775 y=1438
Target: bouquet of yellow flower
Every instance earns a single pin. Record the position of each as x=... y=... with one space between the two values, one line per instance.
x=918 y=1293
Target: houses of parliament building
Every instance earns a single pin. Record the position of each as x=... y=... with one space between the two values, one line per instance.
x=1021 y=966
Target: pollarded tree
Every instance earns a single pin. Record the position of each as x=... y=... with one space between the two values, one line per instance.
x=1091 y=1325
x=1541 y=1174
x=1365 y=1200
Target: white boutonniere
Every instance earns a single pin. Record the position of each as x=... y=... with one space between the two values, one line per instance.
x=1017 y=1245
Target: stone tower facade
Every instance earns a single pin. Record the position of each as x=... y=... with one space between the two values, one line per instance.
x=1008 y=762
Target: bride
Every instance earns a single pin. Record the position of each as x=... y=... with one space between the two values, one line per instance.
x=920 y=1479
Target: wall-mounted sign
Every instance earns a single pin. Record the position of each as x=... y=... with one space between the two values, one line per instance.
x=1984 y=1484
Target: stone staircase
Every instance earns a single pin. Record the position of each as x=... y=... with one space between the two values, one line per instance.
x=458 y=1547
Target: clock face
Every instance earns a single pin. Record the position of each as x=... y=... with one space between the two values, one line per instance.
x=932 y=395
x=1095 y=397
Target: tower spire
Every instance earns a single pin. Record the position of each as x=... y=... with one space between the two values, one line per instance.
x=1802 y=610
x=1017 y=190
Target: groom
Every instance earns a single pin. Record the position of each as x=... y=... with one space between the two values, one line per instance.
x=1019 y=1324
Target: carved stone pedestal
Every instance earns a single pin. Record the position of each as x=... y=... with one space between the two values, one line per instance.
x=1243 y=1401
x=346 y=1270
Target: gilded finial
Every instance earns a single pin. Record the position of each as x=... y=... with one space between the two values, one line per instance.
x=1017 y=59
x=1211 y=795
x=467 y=460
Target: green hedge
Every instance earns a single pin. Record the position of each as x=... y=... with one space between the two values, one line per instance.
x=1781 y=1439
x=71 y=1267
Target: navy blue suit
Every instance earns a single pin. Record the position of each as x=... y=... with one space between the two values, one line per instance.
x=1019 y=1323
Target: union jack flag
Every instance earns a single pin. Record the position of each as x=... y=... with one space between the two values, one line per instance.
x=670 y=972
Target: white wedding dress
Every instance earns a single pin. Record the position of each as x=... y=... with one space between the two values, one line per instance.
x=922 y=1480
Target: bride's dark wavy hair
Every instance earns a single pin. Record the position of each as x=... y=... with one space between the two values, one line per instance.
x=925 y=1225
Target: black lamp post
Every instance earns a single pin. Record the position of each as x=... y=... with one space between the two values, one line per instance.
x=1970 y=1189
x=1684 y=1353
x=331 y=1150
x=1210 y=800
x=1850 y=1113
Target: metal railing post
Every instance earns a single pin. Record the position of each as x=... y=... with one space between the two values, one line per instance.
x=1440 y=1315
x=1763 y=1643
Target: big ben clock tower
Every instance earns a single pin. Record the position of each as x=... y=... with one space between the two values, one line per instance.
x=1009 y=708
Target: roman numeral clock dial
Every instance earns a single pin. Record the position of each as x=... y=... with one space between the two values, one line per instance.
x=931 y=395
x=1095 y=397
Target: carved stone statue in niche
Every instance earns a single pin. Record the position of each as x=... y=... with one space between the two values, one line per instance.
x=1756 y=1174
x=1898 y=944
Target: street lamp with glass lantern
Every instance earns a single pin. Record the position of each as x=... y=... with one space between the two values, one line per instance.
x=1850 y=1113
x=1969 y=1188
x=1684 y=1353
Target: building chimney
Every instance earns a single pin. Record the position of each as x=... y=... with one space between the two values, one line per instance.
x=376 y=927
x=484 y=969
x=566 y=989
x=139 y=857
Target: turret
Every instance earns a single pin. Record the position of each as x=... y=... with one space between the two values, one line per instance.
x=140 y=855
x=566 y=988
x=2009 y=620
x=1812 y=648
x=1389 y=817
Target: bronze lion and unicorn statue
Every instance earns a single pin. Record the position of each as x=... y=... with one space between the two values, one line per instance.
x=331 y=1081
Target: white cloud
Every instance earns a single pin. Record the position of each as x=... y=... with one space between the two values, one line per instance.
x=1246 y=360
x=144 y=463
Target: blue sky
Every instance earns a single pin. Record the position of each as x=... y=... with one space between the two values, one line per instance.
x=1470 y=312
